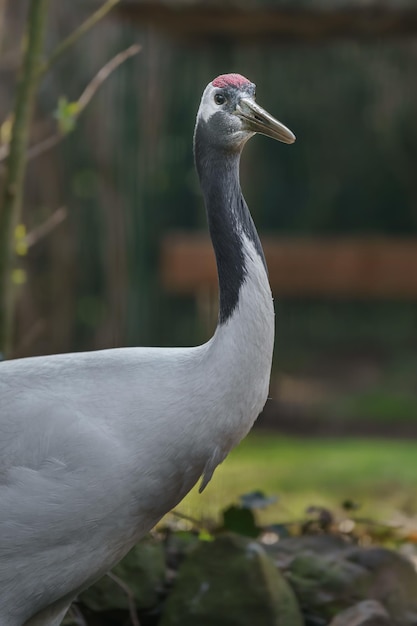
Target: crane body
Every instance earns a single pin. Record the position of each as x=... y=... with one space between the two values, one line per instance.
x=96 y=447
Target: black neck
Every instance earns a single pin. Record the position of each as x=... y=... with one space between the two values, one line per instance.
x=228 y=217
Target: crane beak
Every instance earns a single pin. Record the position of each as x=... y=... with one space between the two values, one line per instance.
x=257 y=120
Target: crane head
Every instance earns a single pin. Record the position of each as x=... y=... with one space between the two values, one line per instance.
x=231 y=116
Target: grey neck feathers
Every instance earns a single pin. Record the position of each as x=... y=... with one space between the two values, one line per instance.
x=228 y=217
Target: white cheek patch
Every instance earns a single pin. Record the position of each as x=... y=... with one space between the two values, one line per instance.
x=208 y=107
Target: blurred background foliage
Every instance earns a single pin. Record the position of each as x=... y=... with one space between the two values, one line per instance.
x=125 y=176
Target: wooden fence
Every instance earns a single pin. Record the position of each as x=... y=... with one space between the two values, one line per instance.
x=355 y=268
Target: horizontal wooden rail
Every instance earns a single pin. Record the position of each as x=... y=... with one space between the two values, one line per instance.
x=303 y=267
x=200 y=20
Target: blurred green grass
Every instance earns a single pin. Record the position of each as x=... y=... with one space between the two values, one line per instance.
x=381 y=475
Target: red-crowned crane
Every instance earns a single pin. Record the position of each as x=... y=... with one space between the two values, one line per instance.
x=96 y=447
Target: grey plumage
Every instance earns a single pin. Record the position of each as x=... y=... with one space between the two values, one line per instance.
x=96 y=447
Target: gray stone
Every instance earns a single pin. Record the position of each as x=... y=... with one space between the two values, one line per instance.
x=230 y=582
x=329 y=576
x=321 y=543
x=142 y=571
x=284 y=551
x=393 y=581
x=326 y=583
x=365 y=613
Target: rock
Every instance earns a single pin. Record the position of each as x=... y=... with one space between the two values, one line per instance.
x=393 y=581
x=329 y=576
x=322 y=543
x=142 y=570
x=230 y=582
x=284 y=551
x=366 y=613
x=326 y=583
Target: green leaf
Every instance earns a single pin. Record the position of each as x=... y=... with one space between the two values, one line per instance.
x=66 y=115
x=204 y=535
x=241 y=521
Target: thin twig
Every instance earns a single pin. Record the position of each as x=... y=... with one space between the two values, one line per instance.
x=81 y=30
x=85 y=98
x=188 y=518
x=130 y=597
x=77 y=615
x=43 y=146
x=2 y=12
x=46 y=227
x=32 y=238
x=104 y=73
x=59 y=51
x=11 y=201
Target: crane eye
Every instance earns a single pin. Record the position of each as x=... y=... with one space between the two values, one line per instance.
x=219 y=98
